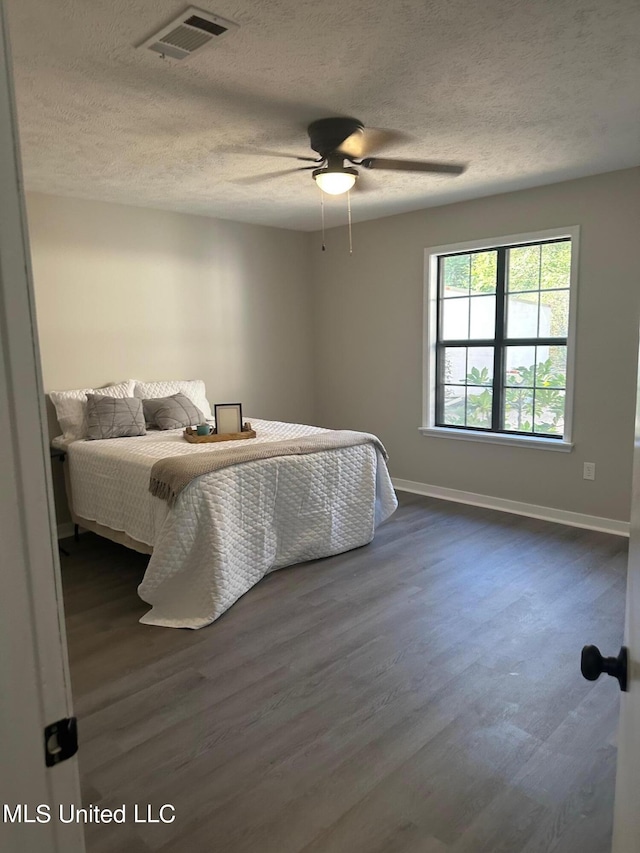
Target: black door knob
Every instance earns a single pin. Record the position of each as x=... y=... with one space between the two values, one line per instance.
x=592 y=665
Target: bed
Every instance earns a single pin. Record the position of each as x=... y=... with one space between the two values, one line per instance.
x=228 y=528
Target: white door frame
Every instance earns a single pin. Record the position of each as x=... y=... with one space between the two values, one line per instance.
x=34 y=670
x=626 y=823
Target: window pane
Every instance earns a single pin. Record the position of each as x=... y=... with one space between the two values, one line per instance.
x=556 y=265
x=455 y=319
x=455 y=365
x=480 y=366
x=518 y=409
x=454 y=405
x=549 y=411
x=484 y=266
x=483 y=317
x=532 y=387
x=479 y=407
x=456 y=275
x=554 y=314
x=551 y=367
x=523 y=268
x=520 y=366
x=522 y=315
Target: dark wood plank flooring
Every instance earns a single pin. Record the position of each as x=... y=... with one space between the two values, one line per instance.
x=418 y=695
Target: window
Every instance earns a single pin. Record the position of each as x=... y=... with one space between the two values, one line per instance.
x=499 y=338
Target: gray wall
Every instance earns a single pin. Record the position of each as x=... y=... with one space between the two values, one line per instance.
x=368 y=342
x=129 y=292
x=125 y=292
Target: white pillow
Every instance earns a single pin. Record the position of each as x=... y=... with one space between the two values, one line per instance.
x=194 y=389
x=71 y=406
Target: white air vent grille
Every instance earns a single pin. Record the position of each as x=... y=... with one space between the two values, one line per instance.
x=193 y=30
x=186 y=39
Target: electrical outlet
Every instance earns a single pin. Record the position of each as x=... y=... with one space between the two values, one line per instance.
x=589 y=471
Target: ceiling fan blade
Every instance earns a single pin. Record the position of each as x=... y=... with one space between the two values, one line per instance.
x=267 y=176
x=364 y=142
x=413 y=166
x=264 y=152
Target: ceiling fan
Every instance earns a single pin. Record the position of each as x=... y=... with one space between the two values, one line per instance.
x=338 y=139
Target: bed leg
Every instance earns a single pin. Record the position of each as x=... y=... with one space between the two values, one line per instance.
x=76 y=533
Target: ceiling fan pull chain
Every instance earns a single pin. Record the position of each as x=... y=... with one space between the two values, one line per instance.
x=324 y=248
x=349 y=215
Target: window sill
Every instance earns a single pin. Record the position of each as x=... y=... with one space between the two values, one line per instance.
x=534 y=443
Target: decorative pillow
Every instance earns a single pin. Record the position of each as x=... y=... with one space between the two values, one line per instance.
x=71 y=406
x=110 y=417
x=194 y=389
x=172 y=412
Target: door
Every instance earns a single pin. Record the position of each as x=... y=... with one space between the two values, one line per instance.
x=34 y=678
x=626 y=829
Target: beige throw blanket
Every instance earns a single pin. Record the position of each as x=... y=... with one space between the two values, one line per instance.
x=170 y=476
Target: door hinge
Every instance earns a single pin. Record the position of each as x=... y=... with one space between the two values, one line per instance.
x=60 y=741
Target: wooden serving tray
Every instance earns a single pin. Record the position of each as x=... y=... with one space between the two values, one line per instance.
x=193 y=438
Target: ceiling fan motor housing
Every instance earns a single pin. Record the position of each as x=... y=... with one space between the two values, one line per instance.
x=327 y=134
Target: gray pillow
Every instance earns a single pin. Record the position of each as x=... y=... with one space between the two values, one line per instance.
x=172 y=412
x=113 y=417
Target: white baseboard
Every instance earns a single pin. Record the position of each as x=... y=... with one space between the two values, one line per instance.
x=546 y=513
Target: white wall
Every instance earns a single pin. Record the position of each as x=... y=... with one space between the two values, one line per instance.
x=368 y=342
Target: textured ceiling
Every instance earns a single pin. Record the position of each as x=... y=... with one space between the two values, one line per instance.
x=526 y=92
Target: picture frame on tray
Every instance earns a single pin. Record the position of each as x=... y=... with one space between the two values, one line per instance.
x=228 y=418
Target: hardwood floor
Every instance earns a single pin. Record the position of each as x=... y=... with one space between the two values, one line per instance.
x=418 y=695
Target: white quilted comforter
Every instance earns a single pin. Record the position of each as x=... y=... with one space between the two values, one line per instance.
x=229 y=528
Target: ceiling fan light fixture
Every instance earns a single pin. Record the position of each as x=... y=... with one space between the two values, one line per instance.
x=335 y=180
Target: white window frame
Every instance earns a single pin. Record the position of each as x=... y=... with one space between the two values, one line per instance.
x=430 y=313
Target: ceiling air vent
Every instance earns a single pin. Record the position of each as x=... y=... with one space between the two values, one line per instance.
x=188 y=33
